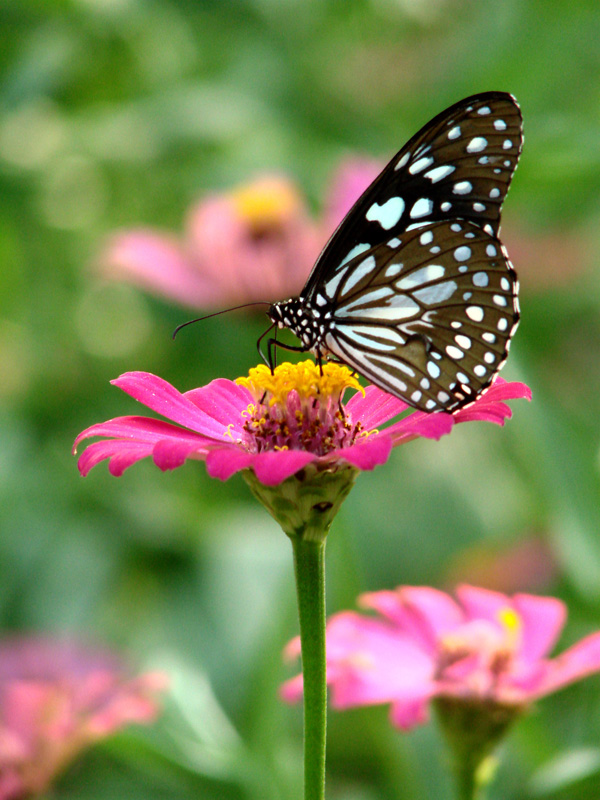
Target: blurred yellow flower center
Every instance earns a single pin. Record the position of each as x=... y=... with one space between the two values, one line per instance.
x=511 y=622
x=267 y=202
x=304 y=378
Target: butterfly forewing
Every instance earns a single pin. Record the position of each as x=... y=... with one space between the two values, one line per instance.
x=427 y=316
x=459 y=165
x=414 y=290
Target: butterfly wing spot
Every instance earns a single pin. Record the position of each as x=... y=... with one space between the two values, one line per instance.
x=387 y=214
x=421 y=208
x=475 y=313
x=454 y=352
x=462 y=187
x=439 y=173
x=426 y=238
x=403 y=161
x=477 y=144
x=507 y=144
x=462 y=253
x=484 y=110
x=499 y=125
x=480 y=279
x=454 y=133
x=356 y=251
x=420 y=165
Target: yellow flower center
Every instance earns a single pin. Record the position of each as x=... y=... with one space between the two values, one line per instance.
x=304 y=378
x=299 y=407
x=267 y=202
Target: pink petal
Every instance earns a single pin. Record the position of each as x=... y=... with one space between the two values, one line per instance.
x=170 y=454
x=222 y=400
x=140 y=429
x=489 y=407
x=375 y=408
x=429 y=613
x=291 y=691
x=575 y=663
x=158 y=263
x=543 y=619
x=371 y=662
x=163 y=398
x=431 y=426
x=223 y=462
x=408 y=713
x=122 y=454
x=369 y=452
x=271 y=468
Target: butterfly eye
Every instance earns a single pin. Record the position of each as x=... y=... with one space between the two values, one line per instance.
x=414 y=290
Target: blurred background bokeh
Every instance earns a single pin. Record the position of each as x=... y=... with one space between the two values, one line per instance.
x=123 y=114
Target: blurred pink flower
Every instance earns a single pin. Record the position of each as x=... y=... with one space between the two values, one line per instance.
x=256 y=242
x=349 y=181
x=273 y=424
x=56 y=699
x=487 y=647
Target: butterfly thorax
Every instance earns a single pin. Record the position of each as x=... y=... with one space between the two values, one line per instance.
x=309 y=325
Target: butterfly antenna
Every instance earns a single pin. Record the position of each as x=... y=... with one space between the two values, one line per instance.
x=216 y=314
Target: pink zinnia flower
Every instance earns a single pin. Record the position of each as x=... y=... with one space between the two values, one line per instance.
x=273 y=424
x=56 y=699
x=256 y=242
x=485 y=648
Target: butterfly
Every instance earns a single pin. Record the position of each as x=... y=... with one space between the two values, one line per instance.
x=414 y=289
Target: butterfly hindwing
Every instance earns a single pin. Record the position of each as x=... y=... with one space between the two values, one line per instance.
x=458 y=166
x=428 y=316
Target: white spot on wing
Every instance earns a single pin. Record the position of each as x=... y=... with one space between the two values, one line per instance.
x=481 y=279
x=499 y=124
x=484 y=110
x=462 y=253
x=332 y=285
x=439 y=173
x=358 y=273
x=454 y=133
x=393 y=269
x=462 y=187
x=403 y=161
x=356 y=250
x=437 y=293
x=477 y=144
x=421 y=208
x=479 y=370
x=431 y=272
x=454 y=352
x=420 y=165
x=491 y=250
x=387 y=214
x=475 y=313
x=426 y=238
x=433 y=369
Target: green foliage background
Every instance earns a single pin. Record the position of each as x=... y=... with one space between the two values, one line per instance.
x=116 y=113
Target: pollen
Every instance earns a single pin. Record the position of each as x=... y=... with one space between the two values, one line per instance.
x=266 y=203
x=304 y=378
x=299 y=407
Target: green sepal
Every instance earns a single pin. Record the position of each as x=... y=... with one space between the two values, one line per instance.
x=305 y=504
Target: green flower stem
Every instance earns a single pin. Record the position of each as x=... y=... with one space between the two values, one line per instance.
x=309 y=564
x=473 y=731
x=305 y=506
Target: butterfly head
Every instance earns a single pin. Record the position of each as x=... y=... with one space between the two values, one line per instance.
x=292 y=314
